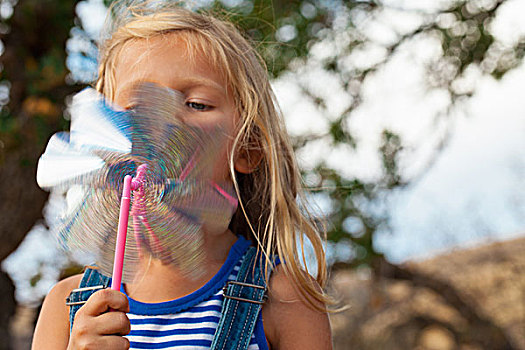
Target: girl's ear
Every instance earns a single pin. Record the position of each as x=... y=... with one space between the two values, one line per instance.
x=247 y=161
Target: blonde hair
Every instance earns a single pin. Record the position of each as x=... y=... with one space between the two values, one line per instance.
x=269 y=212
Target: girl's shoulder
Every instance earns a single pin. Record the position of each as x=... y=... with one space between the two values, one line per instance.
x=52 y=330
x=289 y=322
x=66 y=285
x=58 y=294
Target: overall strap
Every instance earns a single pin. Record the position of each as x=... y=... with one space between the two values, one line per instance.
x=243 y=300
x=92 y=281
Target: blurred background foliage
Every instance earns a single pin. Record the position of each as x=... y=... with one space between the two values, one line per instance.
x=41 y=67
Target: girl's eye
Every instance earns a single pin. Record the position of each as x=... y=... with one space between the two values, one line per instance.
x=198 y=106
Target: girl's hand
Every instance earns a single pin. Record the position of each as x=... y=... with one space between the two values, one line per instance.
x=101 y=323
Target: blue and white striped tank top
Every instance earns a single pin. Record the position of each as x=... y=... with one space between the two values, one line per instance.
x=189 y=322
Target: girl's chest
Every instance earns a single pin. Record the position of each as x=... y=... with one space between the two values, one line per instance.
x=192 y=329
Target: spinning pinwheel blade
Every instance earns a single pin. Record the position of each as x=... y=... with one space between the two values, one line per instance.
x=174 y=197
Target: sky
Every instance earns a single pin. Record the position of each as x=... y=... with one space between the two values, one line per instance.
x=472 y=194
x=475 y=191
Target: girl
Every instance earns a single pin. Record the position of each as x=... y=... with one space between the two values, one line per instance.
x=224 y=82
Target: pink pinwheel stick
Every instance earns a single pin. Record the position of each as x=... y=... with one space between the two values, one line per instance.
x=120 y=247
x=121 y=235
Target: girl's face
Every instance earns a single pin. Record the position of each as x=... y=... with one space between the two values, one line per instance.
x=164 y=60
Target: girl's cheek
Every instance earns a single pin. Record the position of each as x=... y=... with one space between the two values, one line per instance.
x=221 y=171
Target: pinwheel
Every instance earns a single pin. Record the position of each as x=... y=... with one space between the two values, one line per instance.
x=174 y=197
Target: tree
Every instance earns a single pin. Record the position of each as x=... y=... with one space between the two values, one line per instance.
x=33 y=93
x=461 y=29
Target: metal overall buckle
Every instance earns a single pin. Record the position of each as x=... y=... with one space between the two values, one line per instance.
x=80 y=290
x=243 y=284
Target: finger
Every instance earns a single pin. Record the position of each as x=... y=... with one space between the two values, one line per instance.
x=104 y=300
x=114 y=342
x=112 y=323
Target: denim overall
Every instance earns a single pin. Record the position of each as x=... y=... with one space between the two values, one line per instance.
x=243 y=300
